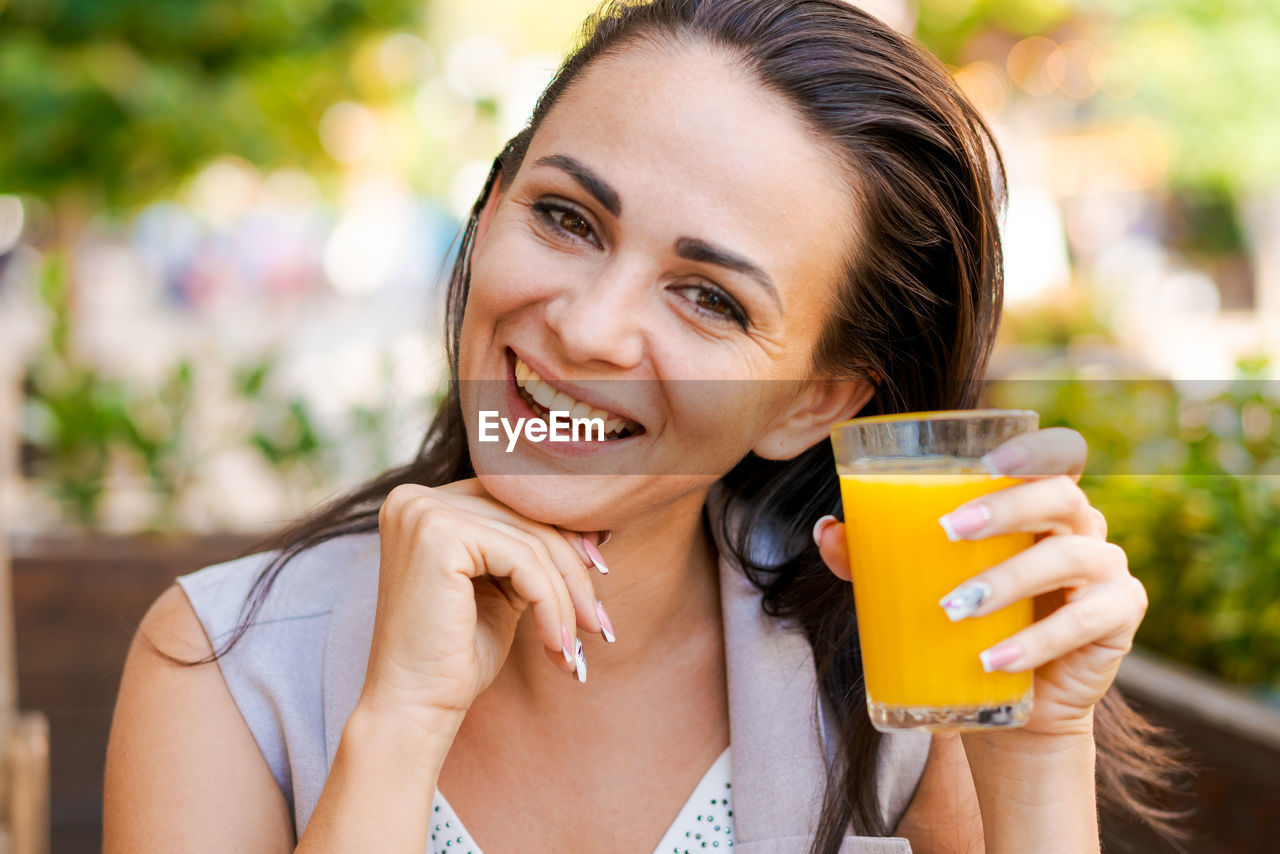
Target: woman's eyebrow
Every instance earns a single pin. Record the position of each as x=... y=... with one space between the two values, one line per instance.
x=699 y=250
x=690 y=248
x=590 y=181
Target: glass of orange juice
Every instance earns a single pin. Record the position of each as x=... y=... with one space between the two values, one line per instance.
x=898 y=475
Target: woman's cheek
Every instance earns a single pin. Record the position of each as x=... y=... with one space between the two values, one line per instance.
x=512 y=266
x=714 y=422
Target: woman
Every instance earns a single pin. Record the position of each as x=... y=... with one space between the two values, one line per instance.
x=766 y=217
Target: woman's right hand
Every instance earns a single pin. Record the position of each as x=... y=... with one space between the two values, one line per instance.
x=457 y=570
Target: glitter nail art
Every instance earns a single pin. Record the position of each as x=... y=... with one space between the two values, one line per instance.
x=965 y=599
x=580 y=663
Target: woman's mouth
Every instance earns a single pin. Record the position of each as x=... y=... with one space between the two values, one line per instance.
x=543 y=398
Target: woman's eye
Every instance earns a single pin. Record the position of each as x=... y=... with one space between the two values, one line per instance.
x=574 y=224
x=716 y=303
x=564 y=219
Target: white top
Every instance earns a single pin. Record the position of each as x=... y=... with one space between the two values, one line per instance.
x=705 y=821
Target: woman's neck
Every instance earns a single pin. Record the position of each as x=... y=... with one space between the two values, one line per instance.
x=662 y=596
x=655 y=703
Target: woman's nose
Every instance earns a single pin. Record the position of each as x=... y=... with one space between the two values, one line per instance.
x=602 y=319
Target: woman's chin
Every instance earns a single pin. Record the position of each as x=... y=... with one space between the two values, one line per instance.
x=610 y=502
x=571 y=501
x=580 y=493
x=550 y=490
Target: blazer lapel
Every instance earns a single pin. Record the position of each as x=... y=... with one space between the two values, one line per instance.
x=778 y=769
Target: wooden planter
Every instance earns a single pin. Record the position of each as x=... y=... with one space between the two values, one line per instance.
x=76 y=606
x=1233 y=738
x=78 y=602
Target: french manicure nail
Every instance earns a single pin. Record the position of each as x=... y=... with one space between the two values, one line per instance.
x=605 y=626
x=565 y=643
x=817 y=529
x=580 y=664
x=596 y=557
x=965 y=522
x=1006 y=459
x=604 y=537
x=965 y=599
x=1000 y=655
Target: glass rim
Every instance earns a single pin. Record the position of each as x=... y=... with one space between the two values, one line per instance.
x=937 y=415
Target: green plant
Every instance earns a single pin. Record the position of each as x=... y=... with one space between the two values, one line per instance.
x=113 y=102
x=1190 y=482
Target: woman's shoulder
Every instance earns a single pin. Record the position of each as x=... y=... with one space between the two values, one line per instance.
x=306 y=587
x=277 y=670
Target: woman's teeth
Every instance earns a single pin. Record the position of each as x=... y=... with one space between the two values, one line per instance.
x=535 y=388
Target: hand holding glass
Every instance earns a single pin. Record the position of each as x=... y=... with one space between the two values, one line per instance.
x=898 y=475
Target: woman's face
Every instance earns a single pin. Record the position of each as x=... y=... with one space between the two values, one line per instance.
x=667 y=253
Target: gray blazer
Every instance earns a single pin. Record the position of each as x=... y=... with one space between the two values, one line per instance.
x=297 y=674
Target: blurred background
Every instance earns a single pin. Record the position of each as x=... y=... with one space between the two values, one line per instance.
x=222 y=231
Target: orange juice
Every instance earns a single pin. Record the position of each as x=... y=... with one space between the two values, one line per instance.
x=902 y=563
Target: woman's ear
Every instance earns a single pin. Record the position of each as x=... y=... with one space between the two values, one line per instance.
x=808 y=419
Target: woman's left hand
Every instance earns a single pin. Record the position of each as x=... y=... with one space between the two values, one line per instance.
x=1087 y=605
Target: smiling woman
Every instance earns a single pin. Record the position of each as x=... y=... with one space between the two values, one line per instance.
x=728 y=225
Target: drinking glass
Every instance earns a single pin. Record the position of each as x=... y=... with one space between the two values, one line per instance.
x=898 y=475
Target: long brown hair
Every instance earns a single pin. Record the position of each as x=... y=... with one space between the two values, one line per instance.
x=916 y=312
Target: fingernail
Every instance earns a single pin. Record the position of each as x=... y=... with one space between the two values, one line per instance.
x=580 y=657
x=566 y=643
x=966 y=521
x=1000 y=655
x=1006 y=459
x=965 y=599
x=817 y=529
x=596 y=557
x=605 y=626
x=603 y=537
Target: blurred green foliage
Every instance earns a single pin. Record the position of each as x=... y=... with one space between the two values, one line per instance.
x=1188 y=476
x=1206 y=72
x=113 y=101
x=80 y=426
x=947 y=26
x=74 y=418
x=1209 y=72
